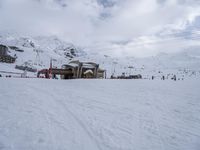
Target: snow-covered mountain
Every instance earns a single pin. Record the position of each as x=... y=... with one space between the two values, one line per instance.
x=37 y=52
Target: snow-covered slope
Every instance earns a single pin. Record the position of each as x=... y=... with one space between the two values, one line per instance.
x=99 y=114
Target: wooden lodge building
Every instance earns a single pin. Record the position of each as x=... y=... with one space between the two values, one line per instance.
x=75 y=70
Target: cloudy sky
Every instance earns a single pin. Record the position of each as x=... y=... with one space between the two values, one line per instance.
x=117 y=27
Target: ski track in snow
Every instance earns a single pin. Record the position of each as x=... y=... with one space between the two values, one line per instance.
x=73 y=116
x=99 y=114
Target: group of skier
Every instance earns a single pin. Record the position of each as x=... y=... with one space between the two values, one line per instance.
x=163 y=77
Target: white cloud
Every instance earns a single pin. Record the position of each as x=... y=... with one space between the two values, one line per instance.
x=103 y=25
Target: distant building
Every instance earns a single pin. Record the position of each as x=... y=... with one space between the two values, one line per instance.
x=76 y=70
x=4 y=57
x=79 y=69
x=3 y=50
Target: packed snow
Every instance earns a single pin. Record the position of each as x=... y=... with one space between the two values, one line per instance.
x=46 y=114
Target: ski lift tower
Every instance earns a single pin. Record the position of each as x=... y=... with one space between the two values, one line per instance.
x=130 y=67
x=37 y=58
x=51 y=67
x=114 y=65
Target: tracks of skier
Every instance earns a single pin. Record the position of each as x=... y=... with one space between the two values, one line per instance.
x=88 y=132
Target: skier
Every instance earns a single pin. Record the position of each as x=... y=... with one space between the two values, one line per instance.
x=163 y=77
x=174 y=77
x=152 y=77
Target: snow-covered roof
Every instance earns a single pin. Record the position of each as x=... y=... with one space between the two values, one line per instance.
x=88 y=71
x=73 y=65
x=70 y=65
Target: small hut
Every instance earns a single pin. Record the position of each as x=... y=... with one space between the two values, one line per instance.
x=101 y=73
